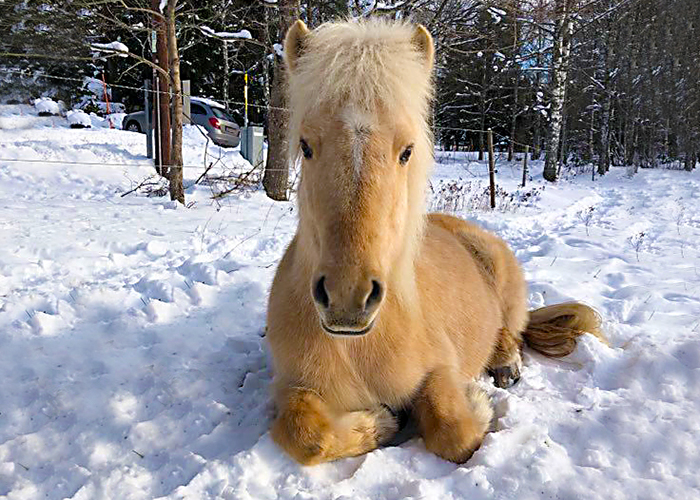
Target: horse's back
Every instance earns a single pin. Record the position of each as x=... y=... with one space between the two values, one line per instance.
x=489 y=251
x=459 y=302
x=498 y=266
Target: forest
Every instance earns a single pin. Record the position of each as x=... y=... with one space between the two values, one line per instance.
x=578 y=82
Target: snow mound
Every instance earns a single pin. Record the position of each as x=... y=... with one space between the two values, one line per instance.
x=46 y=106
x=78 y=119
x=116 y=119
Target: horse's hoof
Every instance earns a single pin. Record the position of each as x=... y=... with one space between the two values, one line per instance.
x=505 y=376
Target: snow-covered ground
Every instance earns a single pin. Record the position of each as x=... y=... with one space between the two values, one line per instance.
x=133 y=362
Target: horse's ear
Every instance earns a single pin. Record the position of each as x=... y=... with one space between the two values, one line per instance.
x=294 y=43
x=424 y=43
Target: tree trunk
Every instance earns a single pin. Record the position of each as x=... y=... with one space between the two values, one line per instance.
x=630 y=137
x=177 y=191
x=604 y=151
x=690 y=160
x=562 y=159
x=276 y=178
x=482 y=110
x=560 y=62
x=513 y=120
x=516 y=89
x=537 y=139
x=162 y=108
x=310 y=17
x=482 y=124
x=591 y=138
x=226 y=76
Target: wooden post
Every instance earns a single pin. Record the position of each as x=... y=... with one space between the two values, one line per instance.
x=527 y=152
x=186 y=108
x=147 y=113
x=492 y=169
x=106 y=98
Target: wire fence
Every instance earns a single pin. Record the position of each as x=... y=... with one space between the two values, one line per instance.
x=234 y=102
x=450 y=196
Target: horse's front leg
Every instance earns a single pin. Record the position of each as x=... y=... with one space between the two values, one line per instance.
x=453 y=417
x=311 y=432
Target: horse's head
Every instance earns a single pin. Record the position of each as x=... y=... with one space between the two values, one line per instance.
x=359 y=96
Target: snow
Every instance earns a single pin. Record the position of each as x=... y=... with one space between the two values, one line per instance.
x=388 y=5
x=206 y=100
x=46 y=105
x=77 y=117
x=134 y=364
x=497 y=15
x=114 y=107
x=111 y=47
x=96 y=87
x=240 y=35
x=115 y=118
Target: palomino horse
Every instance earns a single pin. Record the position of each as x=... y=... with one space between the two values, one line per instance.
x=376 y=306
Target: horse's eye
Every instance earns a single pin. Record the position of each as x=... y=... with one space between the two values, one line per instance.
x=403 y=159
x=306 y=149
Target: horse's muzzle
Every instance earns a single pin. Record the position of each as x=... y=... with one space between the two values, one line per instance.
x=347 y=310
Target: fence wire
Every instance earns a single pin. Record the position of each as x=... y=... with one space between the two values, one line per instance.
x=231 y=101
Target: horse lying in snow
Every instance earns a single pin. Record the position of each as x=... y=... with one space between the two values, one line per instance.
x=377 y=306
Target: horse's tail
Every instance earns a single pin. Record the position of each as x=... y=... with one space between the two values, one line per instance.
x=553 y=330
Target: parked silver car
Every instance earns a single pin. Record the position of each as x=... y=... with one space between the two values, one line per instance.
x=220 y=125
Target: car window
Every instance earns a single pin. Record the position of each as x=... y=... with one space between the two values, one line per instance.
x=196 y=109
x=221 y=113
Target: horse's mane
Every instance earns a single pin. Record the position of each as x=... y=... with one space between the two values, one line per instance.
x=363 y=63
x=373 y=66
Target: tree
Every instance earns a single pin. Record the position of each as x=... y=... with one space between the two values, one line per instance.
x=177 y=191
x=276 y=178
x=560 y=67
x=604 y=82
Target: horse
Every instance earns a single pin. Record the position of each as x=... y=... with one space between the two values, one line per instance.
x=377 y=307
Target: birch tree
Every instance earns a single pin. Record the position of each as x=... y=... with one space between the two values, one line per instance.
x=560 y=67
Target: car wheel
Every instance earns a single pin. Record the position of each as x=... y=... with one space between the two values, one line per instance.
x=133 y=126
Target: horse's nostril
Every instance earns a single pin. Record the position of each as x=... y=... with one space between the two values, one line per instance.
x=375 y=296
x=320 y=294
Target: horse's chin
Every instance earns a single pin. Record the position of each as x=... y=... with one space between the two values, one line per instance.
x=347 y=333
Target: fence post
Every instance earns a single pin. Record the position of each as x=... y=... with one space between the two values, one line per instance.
x=245 y=99
x=492 y=169
x=527 y=152
x=186 y=113
x=157 y=124
x=106 y=98
x=147 y=118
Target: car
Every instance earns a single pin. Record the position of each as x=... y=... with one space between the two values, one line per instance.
x=219 y=124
